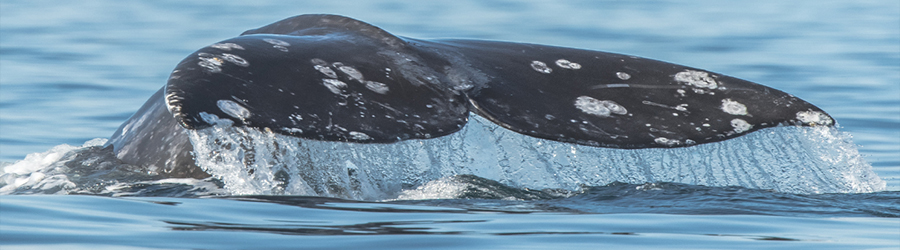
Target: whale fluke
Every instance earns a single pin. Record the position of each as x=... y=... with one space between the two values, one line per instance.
x=334 y=78
x=328 y=77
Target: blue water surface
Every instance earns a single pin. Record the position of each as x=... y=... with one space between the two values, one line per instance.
x=73 y=71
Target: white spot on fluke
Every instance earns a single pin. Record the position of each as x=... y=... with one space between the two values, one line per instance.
x=334 y=85
x=210 y=66
x=602 y=108
x=350 y=71
x=296 y=117
x=377 y=87
x=814 y=118
x=326 y=71
x=740 y=125
x=292 y=130
x=318 y=61
x=732 y=107
x=566 y=64
x=623 y=75
x=237 y=60
x=213 y=63
x=278 y=44
x=666 y=141
x=541 y=67
x=210 y=63
x=359 y=136
x=696 y=78
x=233 y=109
x=227 y=46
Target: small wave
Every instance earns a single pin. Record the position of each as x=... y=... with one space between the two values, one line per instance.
x=474 y=187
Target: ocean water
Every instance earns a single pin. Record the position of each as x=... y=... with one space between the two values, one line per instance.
x=72 y=72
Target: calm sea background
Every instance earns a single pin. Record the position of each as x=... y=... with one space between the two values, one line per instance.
x=71 y=71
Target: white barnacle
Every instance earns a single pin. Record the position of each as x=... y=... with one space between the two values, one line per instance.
x=327 y=71
x=210 y=67
x=681 y=107
x=233 y=109
x=732 y=107
x=666 y=141
x=623 y=75
x=541 y=67
x=566 y=64
x=602 y=108
x=276 y=42
x=377 y=87
x=698 y=79
x=292 y=130
x=227 y=46
x=814 y=118
x=614 y=107
x=237 y=60
x=317 y=61
x=359 y=136
x=295 y=117
x=334 y=85
x=591 y=106
x=210 y=62
x=740 y=125
x=350 y=71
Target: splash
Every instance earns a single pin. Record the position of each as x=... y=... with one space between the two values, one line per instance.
x=93 y=168
x=785 y=159
x=41 y=171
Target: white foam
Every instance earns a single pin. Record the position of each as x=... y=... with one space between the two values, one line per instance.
x=444 y=188
x=41 y=171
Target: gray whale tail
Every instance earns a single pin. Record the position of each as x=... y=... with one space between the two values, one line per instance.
x=334 y=78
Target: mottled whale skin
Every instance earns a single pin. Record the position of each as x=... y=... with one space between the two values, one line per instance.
x=334 y=78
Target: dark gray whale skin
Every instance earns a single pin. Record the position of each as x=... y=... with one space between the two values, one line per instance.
x=334 y=78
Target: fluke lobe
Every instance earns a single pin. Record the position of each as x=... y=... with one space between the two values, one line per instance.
x=334 y=78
